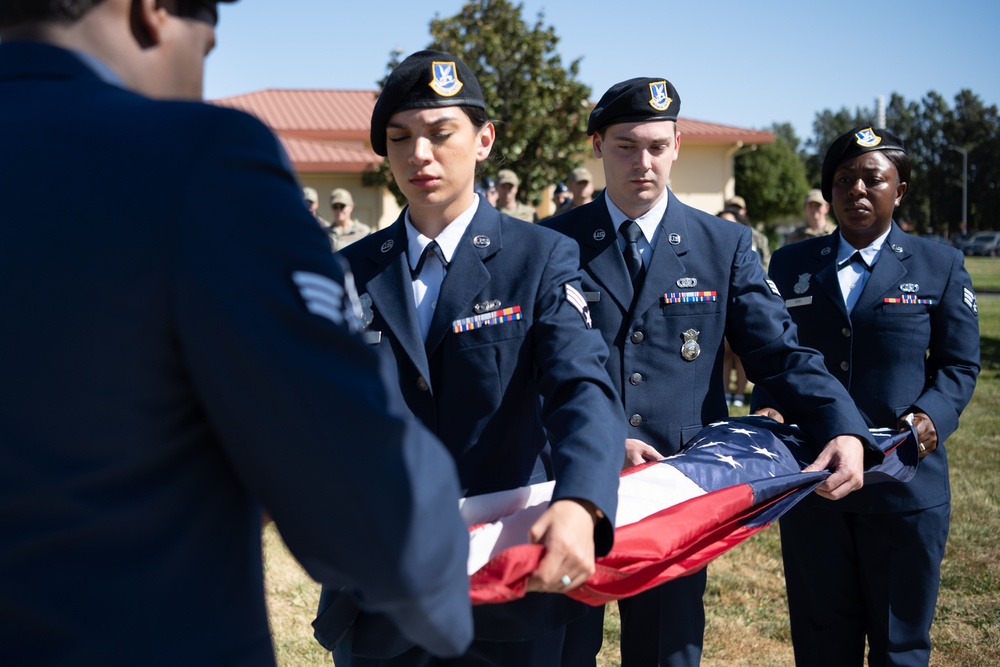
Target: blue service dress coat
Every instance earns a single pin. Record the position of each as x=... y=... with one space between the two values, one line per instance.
x=703 y=283
x=894 y=357
x=911 y=343
x=666 y=397
x=511 y=400
x=166 y=375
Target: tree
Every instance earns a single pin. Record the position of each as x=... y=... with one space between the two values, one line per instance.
x=929 y=129
x=772 y=178
x=541 y=107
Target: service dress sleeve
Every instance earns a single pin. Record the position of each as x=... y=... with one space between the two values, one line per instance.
x=267 y=321
x=953 y=361
x=581 y=411
x=795 y=379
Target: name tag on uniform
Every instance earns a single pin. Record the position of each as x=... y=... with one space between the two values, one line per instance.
x=690 y=297
x=592 y=297
x=373 y=337
x=511 y=314
x=801 y=301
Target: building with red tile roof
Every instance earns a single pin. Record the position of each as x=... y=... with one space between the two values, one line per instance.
x=325 y=133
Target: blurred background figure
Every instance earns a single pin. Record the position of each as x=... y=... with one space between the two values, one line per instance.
x=507 y=203
x=736 y=388
x=581 y=184
x=344 y=229
x=815 y=209
x=561 y=198
x=312 y=203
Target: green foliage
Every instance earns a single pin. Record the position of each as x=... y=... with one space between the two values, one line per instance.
x=772 y=178
x=541 y=107
x=930 y=128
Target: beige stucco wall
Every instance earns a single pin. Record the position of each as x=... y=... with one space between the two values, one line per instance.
x=702 y=177
x=374 y=206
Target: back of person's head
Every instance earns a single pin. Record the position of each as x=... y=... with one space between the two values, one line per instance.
x=737 y=213
x=16 y=12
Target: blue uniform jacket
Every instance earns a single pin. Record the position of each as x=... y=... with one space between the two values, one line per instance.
x=666 y=397
x=893 y=357
x=164 y=378
x=496 y=395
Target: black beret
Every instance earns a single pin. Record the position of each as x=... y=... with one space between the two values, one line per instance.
x=851 y=144
x=425 y=80
x=635 y=101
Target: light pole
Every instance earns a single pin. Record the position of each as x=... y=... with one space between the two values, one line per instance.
x=965 y=183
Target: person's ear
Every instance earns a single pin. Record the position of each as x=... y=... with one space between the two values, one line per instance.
x=146 y=19
x=484 y=145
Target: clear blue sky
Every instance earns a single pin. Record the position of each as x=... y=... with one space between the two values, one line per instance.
x=737 y=62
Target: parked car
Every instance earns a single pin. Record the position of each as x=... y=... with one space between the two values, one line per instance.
x=937 y=238
x=986 y=244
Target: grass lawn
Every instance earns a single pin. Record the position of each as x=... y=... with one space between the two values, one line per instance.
x=747 y=620
x=985 y=272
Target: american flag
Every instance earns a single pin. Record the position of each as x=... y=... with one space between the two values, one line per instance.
x=735 y=478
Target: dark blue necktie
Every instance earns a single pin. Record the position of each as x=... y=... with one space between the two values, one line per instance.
x=633 y=260
x=431 y=247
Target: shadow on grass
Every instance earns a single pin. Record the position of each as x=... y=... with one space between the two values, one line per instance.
x=989 y=352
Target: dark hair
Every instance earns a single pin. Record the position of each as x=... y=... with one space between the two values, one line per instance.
x=736 y=213
x=478 y=116
x=901 y=161
x=16 y=12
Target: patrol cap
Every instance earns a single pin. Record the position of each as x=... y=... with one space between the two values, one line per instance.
x=635 y=101
x=309 y=194
x=341 y=196
x=580 y=174
x=815 y=197
x=561 y=187
x=424 y=80
x=736 y=201
x=507 y=176
x=851 y=144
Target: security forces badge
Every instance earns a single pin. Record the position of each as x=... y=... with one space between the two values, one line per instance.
x=690 y=349
x=658 y=96
x=367 y=316
x=445 y=82
x=867 y=138
x=367 y=312
x=802 y=286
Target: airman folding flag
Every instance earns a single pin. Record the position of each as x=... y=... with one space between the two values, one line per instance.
x=674 y=516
